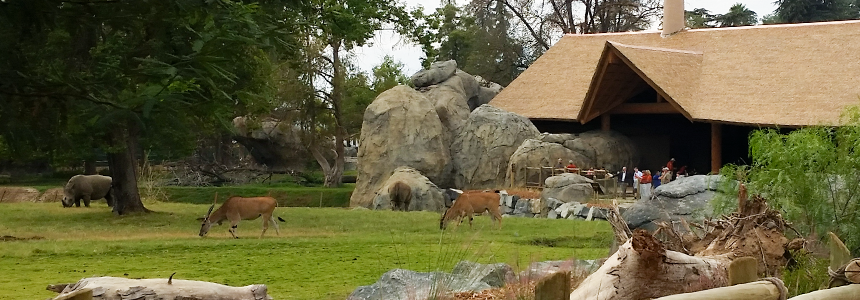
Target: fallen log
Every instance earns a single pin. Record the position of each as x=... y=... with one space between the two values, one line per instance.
x=116 y=288
x=847 y=292
x=770 y=289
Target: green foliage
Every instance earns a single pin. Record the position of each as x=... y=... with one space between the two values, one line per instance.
x=808 y=275
x=738 y=15
x=810 y=175
x=320 y=254
x=799 y=11
x=700 y=18
x=481 y=40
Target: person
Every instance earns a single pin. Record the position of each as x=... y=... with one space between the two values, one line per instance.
x=671 y=165
x=558 y=168
x=645 y=185
x=655 y=180
x=637 y=176
x=666 y=177
x=624 y=178
x=682 y=172
x=570 y=166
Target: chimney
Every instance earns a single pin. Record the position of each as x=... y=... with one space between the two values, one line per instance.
x=673 y=17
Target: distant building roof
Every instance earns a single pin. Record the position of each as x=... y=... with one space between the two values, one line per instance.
x=793 y=74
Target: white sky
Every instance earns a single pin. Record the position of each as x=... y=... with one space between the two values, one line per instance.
x=390 y=43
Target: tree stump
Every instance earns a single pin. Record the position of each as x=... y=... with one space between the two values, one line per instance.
x=115 y=288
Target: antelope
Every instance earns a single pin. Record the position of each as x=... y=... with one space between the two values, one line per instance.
x=471 y=203
x=238 y=208
x=400 y=195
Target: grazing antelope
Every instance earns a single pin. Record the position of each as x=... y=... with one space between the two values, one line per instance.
x=471 y=203
x=238 y=208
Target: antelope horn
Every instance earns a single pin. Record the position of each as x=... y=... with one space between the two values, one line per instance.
x=212 y=206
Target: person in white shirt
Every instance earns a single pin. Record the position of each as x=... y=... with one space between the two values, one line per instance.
x=637 y=175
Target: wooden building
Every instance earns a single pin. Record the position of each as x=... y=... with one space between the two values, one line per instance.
x=692 y=94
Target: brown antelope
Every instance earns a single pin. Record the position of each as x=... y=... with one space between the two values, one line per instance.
x=238 y=208
x=400 y=195
x=471 y=203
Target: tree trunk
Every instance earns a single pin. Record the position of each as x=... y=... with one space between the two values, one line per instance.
x=334 y=174
x=115 y=288
x=90 y=166
x=123 y=168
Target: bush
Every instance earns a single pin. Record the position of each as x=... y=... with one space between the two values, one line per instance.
x=286 y=196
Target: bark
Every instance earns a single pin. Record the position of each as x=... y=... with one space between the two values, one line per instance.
x=123 y=168
x=115 y=288
x=772 y=289
x=90 y=166
x=334 y=174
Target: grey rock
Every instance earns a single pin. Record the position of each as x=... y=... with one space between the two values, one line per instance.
x=438 y=72
x=552 y=203
x=522 y=208
x=426 y=196
x=686 y=198
x=400 y=128
x=558 y=138
x=482 y=150
x=607 y=150
x=552 y=215
x=568 y=187
x=405 y=284
x=449 y=100
x=494 y=275
x=487 y=91
x=471 y=87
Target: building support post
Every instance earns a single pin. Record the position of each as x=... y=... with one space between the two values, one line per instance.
x=716 y=147
x=604 y=122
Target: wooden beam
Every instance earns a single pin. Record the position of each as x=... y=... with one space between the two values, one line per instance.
x=643 y=108
x=604 y=122
x=759 y=290
x=716 y=147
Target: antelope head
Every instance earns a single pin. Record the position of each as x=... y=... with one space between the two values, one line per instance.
x=204 y=228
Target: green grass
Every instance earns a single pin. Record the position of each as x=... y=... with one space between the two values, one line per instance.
x=321 y=253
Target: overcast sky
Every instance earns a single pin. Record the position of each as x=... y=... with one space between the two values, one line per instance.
x=389 y=43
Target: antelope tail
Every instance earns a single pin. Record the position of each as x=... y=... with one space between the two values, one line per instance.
x=281 y=219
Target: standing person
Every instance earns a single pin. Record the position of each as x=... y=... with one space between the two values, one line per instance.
x=666 y=177
x=671 y=166
x=570 y=166
x=624 y=178
x=655 y=180
x=645 y=185
x=637 y=177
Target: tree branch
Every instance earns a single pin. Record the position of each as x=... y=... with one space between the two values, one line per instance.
x=528 y=26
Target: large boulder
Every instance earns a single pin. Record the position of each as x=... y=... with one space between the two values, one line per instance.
x=482 y=150
x=425 y=194
x=438 y=72
x=686 y=198
x=607 y=150
x=272 y=142
x=487 y=90
x=405 y=284
x=400 y=128
x=568 y=187
x=449 y=100
x=494 y=275
x=535 y=153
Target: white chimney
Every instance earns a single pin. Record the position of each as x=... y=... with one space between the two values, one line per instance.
x=673 y=17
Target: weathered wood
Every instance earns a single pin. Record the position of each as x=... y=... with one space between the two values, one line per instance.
x=642 y=269
x=82 y=294
x=758 y=290
x=848 y=292
x=115 y=288
x=605 y=122
x=643 y=108
x=553 y=287
x=852 y=271
x=839 y=257
x=743 y=270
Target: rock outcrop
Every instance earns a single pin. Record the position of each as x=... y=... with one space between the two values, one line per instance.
x=425 y=194
x=481 y=152
x=400 y=128
x=406 y=284
x=568 y=187
x=686 y=198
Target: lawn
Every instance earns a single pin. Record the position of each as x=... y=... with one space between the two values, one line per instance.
x=321 y=253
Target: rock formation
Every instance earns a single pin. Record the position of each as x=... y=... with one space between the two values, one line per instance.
x=686 y=198
x=400 y=128
x=425 y=194
x=481 y=152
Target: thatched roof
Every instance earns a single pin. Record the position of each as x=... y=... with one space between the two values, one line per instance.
x=795 y=75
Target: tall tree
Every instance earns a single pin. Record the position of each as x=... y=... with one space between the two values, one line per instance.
x=738 y=15
x=126 y=76
x=700 y=18
x=799 y=11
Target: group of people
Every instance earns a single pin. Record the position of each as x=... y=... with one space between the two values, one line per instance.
x=644 y=182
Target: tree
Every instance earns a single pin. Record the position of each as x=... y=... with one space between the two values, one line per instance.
x=799 y=11
x=700 y=18
x=129 y=76
x=810 y=175
x=738 y=15
x=340 y=26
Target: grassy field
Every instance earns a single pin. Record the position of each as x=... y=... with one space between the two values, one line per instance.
x=321 y=253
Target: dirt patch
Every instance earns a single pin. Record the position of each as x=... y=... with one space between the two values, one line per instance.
x=18 y=194
x=52 y=195
x=9 y=238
